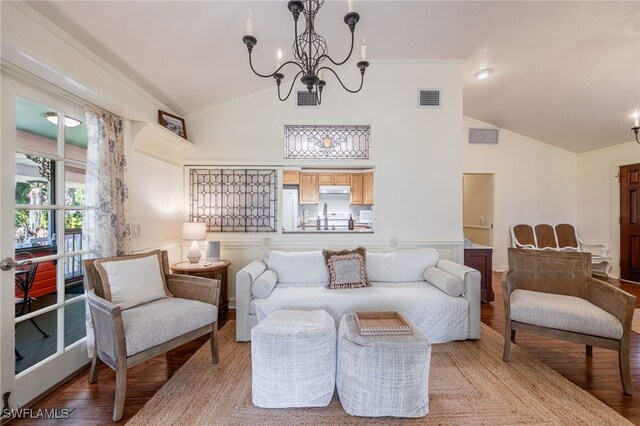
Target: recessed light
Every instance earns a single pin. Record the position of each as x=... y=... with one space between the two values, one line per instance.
x=52 y=117
x=483 y=73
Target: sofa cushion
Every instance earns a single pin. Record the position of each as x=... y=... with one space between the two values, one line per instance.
x=157 y=322
x=563 y=313
x=132 y=280
x=446 y=282
x=346 y=268
x=305 y=266
x=264 y=284
x=400 y=266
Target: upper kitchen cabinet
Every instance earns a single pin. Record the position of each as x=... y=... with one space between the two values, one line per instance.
x=309 y=188
x=343 y=179
x=326 y=179
x=291 y=177
x=367 y=189
x=355 y=196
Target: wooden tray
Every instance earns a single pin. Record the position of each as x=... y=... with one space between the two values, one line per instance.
x=383 y=322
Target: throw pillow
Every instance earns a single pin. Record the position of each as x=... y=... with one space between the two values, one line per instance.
x=132 y=280
x=347 y=268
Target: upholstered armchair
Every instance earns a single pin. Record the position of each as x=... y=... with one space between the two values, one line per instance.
x=552 y=293
x=126 y=336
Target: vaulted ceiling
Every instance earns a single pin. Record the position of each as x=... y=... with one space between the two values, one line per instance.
x=566 y=72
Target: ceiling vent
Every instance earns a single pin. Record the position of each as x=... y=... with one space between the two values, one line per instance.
x=306 y=99
x=428 y=98
x=483 y=136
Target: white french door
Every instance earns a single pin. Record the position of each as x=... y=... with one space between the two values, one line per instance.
x=42 y=169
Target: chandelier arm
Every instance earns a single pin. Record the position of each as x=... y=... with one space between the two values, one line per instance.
x=295 y=40
x=275 y=72
x=321 y=57
x=293 y=82
x=342 y=84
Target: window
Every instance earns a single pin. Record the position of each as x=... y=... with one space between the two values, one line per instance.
x=233 y=199
x=326 y=142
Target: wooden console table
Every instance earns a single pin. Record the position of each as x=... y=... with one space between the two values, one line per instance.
x=480 y=258
x=215 y=270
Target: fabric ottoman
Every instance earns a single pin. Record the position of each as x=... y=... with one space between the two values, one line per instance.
x=382 y=375
x=293 y=359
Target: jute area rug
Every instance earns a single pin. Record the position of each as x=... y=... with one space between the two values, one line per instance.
x=468 y=384
x=635 y=326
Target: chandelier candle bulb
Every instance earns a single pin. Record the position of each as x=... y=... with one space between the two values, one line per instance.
x=321 y=75
x=363 y=49
x=636 y=119
x=350 y=5
x=249 y=22
x=278 y=58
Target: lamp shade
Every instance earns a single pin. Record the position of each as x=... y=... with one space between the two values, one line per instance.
x=194 y=231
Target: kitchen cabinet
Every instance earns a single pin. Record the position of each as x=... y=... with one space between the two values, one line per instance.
x=326 y=179
x=291 y=177
x=479 y=258
x=342 y=179
x=309 y=188
x=367 y=189
x=355 y=196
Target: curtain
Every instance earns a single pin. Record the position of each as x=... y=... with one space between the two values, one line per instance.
x=106 y=227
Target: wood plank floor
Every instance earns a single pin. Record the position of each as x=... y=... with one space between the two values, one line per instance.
x=598 y=375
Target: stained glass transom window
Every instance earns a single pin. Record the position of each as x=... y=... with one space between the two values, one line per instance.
x=233 y=200
x=326 y=142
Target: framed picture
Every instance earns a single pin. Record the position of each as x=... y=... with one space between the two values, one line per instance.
x=173 y=123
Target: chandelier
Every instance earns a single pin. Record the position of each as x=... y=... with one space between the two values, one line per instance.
x=636 y=124
x=310 y=50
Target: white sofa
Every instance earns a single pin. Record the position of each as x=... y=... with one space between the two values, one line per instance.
x=442 y=298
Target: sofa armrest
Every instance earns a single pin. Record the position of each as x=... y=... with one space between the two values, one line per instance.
x=613 y=300
x=244 y=280
x=108 y=329
x=598 y=249
x=471 y=279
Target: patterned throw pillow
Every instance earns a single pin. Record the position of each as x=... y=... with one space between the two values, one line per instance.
x=347 y=268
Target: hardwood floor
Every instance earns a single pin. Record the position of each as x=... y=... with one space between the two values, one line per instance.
x=598 y=375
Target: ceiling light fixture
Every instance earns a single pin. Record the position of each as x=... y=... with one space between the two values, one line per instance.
x=483 y=73
x=310 y=49
x=636 y=124
x=52 y=117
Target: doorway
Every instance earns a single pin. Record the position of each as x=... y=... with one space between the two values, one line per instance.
x=630 y=222
x=42 y=300
x=477 y=205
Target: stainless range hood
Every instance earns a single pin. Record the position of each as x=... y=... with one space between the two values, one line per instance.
x=334 y=189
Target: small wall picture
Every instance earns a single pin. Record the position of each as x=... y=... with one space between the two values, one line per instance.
x=173 y=123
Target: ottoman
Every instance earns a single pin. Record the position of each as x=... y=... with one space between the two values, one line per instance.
x=382 y=375
x=293 y=359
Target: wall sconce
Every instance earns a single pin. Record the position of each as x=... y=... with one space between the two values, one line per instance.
x=636 y=124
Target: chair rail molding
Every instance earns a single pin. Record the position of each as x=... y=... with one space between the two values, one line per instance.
x=154 y=140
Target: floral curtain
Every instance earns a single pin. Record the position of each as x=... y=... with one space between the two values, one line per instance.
x=106 y=227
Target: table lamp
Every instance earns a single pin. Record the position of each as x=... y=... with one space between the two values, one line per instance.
x=194 y=231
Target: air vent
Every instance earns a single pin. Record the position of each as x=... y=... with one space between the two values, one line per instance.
x=483 y=136
x=306 y=99
x=428 y=98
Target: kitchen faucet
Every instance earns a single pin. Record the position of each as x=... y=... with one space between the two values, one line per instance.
x=326 y=218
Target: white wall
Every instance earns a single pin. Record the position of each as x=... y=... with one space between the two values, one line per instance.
x=533 y=181
x=415 y=151
x=477 y=216
x=598 y=197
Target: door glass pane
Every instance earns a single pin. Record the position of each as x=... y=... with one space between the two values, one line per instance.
x=35 y=340
x=74 y=184
x=75 y=138
x=74 y=322
x=35 y=283
x=35 y=127
x=35 y=229
x=73 y=276
x=34 y=180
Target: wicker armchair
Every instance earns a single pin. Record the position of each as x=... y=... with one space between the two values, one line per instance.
x=553 y=293
x=113 y=344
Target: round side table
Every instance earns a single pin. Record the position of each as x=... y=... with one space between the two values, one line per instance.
x=213 y=270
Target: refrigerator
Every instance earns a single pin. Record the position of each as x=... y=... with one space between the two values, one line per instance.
x=290 y=210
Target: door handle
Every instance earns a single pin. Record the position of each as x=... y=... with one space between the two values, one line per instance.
x=8 y=263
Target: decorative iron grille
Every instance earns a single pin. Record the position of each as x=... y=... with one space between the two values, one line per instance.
x=326 y=142
x=234 y=200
